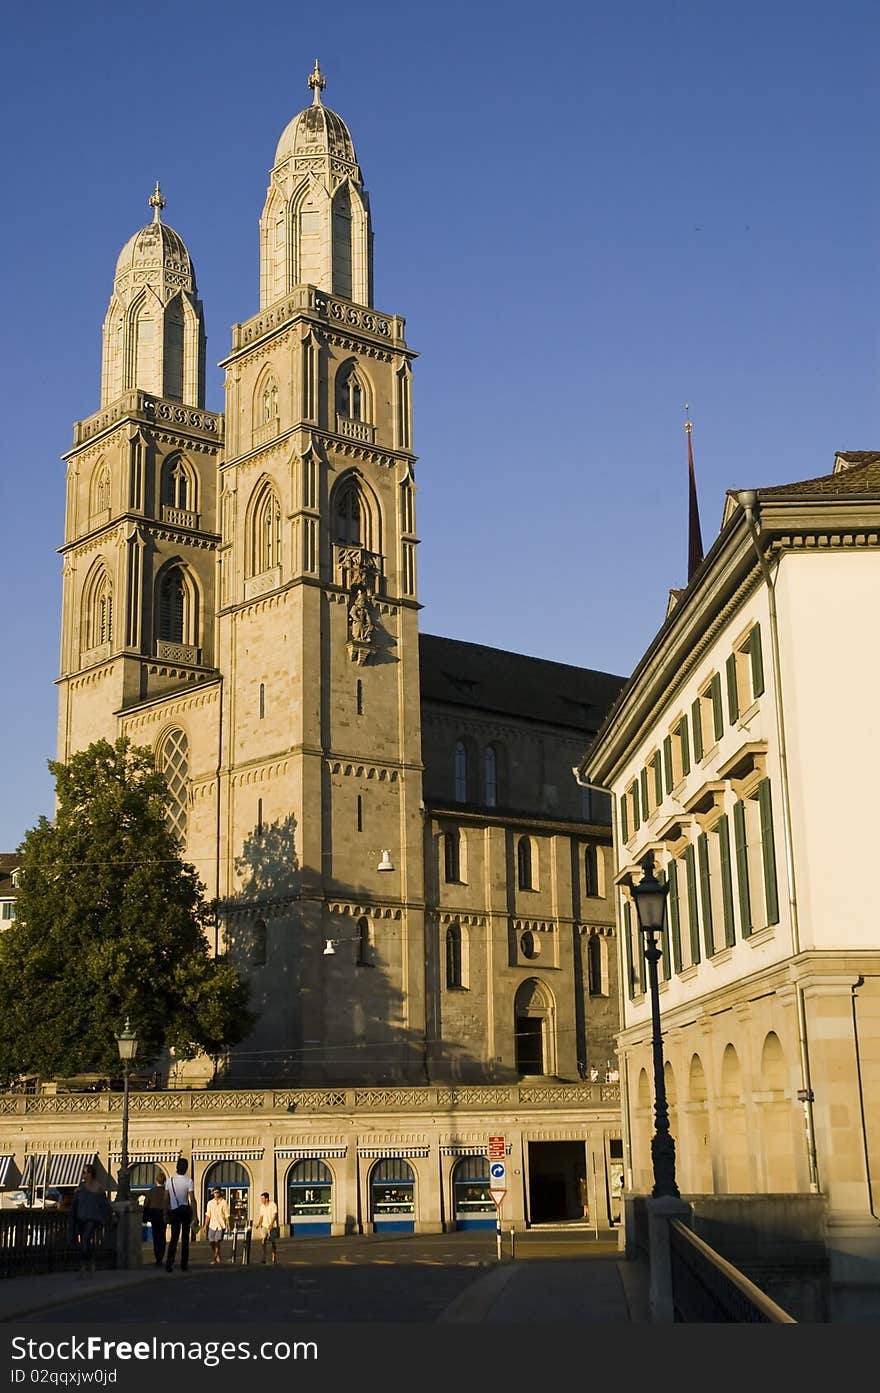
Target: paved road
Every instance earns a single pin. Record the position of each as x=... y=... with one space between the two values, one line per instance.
x=398 y=1278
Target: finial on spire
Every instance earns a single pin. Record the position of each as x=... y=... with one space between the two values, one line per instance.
x=695 y=536
x=157 y=202
x=687 y=424
x=317 y=82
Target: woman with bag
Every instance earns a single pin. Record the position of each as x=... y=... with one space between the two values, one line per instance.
x=216 y=1222
x=266 y=1228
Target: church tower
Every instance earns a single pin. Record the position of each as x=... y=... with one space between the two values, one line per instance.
x=140 y=543
x=318 y=638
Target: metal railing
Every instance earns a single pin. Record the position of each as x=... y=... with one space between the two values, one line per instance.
x=708 y=1288
x=39 y=1240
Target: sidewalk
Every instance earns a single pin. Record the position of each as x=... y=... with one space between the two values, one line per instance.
x=601 y=1289
x=21 y=1296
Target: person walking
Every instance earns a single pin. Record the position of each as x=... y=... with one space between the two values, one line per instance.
x=266 y=1228
x=156 y=1207
x=88 y=1212
x=182 y=1214
x=216 y=1222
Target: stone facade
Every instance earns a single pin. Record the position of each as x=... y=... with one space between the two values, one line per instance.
x=401 y=860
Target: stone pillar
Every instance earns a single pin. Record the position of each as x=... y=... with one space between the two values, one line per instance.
x=129 y=1244
x=661 y=1213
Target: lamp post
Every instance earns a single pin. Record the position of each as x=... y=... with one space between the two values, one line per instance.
x=650 y=899
x=126 y=1043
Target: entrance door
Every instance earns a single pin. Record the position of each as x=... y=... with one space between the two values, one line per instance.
x=557 y=1181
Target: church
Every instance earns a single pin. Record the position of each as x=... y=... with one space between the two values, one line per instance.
x=402 y=861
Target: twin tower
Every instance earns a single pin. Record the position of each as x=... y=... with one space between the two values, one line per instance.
x=239 y=594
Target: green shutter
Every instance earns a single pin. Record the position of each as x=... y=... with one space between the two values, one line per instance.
x=624 y=820
x=674 y=915
x=732 y=694
x=697 y=727
x=768 y=851
x=628 y=945
x=706 y=894
x=693 y=912
x=717 y=711
x=664 y=934
x=667 y=762
x=658 y=779
x=757 y=661
x=643 y=777
x=685 y=747
x=726 y=881
x=637 y=820
x=742 y=868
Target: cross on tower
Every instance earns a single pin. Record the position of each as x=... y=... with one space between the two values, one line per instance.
x=317 y=82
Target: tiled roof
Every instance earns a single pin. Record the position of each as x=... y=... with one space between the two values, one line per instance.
x=858 y=473
x=491 y=679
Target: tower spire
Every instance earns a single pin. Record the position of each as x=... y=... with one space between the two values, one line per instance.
x=695 y=537
x=157 y=203
x=317 y=82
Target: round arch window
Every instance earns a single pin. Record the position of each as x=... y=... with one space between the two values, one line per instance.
x=529 y=944
x=234 y=1183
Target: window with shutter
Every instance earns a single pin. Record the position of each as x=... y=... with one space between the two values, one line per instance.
x=697 y=728
x=732 y=693
x=742 y=868
x=624 y=820
x=628 y=946
x=706 y=894
x=717 y=712
x=693 y=911
x=634 y=799
x=723 y=833
x=665 y=962
x=657 y=766
x=667 y=764
x=757 y=659
x=768 y=852
x=674 y=914
x=643 y=781
x=685 y=746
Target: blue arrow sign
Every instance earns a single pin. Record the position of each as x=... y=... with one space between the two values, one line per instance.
x=497 y=1170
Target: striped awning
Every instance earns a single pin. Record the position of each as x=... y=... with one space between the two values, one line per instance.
x=464 y=1149
x=135 y=1157
x=231 y=1153
x=5 y=1168
x=309 y=1153
x=65 y=1168
x=383 y=1152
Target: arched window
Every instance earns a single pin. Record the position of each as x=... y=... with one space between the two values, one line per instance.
x=461 y=772
x=591 y=871
x=259 y=939
x=453 y=957
x=348 y=520
x=452 y=857
x=524 y=872
x=350 y=395
x=101 y=489
x=232 y=1179
x=490 y=776
x=534 y=1026
x=364 y=943
x=595 y=966
x=174 y=618
x=98 y=610
x=172 y=760
x=266 y=532
x=178 y=485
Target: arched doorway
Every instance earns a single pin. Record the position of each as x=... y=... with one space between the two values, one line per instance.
x=472 y=1205
x=232 y=1180
x=310 y=1198
x=393 y=1196
x=534 y=1035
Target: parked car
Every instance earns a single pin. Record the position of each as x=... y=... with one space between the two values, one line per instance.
x=13 y=1199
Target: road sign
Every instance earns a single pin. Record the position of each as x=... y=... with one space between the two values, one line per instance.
x=497 y=1197
x=497 y=1172
x=496 y=1150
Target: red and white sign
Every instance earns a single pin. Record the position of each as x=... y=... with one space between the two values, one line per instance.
x=497 y=1197
x=496 y=1150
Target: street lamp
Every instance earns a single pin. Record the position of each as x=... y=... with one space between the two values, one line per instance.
x=650 y=899
x=126 y=1043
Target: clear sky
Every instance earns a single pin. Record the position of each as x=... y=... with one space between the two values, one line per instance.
x=588 y=214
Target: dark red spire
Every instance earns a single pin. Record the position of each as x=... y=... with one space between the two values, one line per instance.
x=695 y=537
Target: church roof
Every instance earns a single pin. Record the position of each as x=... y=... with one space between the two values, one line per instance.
x=316 y=130
x=511 y=684
x=156 y=247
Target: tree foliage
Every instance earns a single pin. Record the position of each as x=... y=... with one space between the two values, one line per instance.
x=110 y=924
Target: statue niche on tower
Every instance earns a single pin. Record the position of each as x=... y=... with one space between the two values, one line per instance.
x=360 y=627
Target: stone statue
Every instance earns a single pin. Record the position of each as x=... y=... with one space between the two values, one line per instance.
x=359 y=618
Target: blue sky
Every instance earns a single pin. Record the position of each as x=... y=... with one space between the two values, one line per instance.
x=588 y=214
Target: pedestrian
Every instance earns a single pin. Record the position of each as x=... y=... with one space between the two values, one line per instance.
x=156 y=1207
x=89 y=1210
x=266 y=1228
x=182 y=1214
x=216 y=1222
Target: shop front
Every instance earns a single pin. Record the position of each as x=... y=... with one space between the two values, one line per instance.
x=309 y=1198
x=393 y=1196
x=233 y=1181
x=472 y=1205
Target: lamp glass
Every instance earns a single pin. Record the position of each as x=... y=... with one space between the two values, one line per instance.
x=126 y=1043
x=650 y=897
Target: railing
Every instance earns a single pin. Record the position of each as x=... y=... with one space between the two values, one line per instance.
x=38 y=1240
x=708 y=1288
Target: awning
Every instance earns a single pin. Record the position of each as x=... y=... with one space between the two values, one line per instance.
x=463 y=1149
x=309 y=1153
x=389 y=1152
x=167 y=1157
x=5 y=1168
x=232 y=1153
x=65 y=1168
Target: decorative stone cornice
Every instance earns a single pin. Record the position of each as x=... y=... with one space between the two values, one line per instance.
x=153 y=410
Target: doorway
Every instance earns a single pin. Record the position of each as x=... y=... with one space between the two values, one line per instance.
x=557 y=1181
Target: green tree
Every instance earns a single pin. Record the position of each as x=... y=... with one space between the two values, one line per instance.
x=110 y=924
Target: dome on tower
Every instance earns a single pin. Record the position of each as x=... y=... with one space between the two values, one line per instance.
x=158 y=248
x=316 y=131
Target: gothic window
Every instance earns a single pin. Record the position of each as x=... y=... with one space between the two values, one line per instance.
x=98 y=610
x=461 y=772
x=364 y=944
x=524 y=872
x=172 y=760
x=349 y=516
x=101 y=489
x=490 y=774
x=595 y=966
x=173 y=606
x=350 y=396
x=453 y=957
x=178 y=486
x=266 y=532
